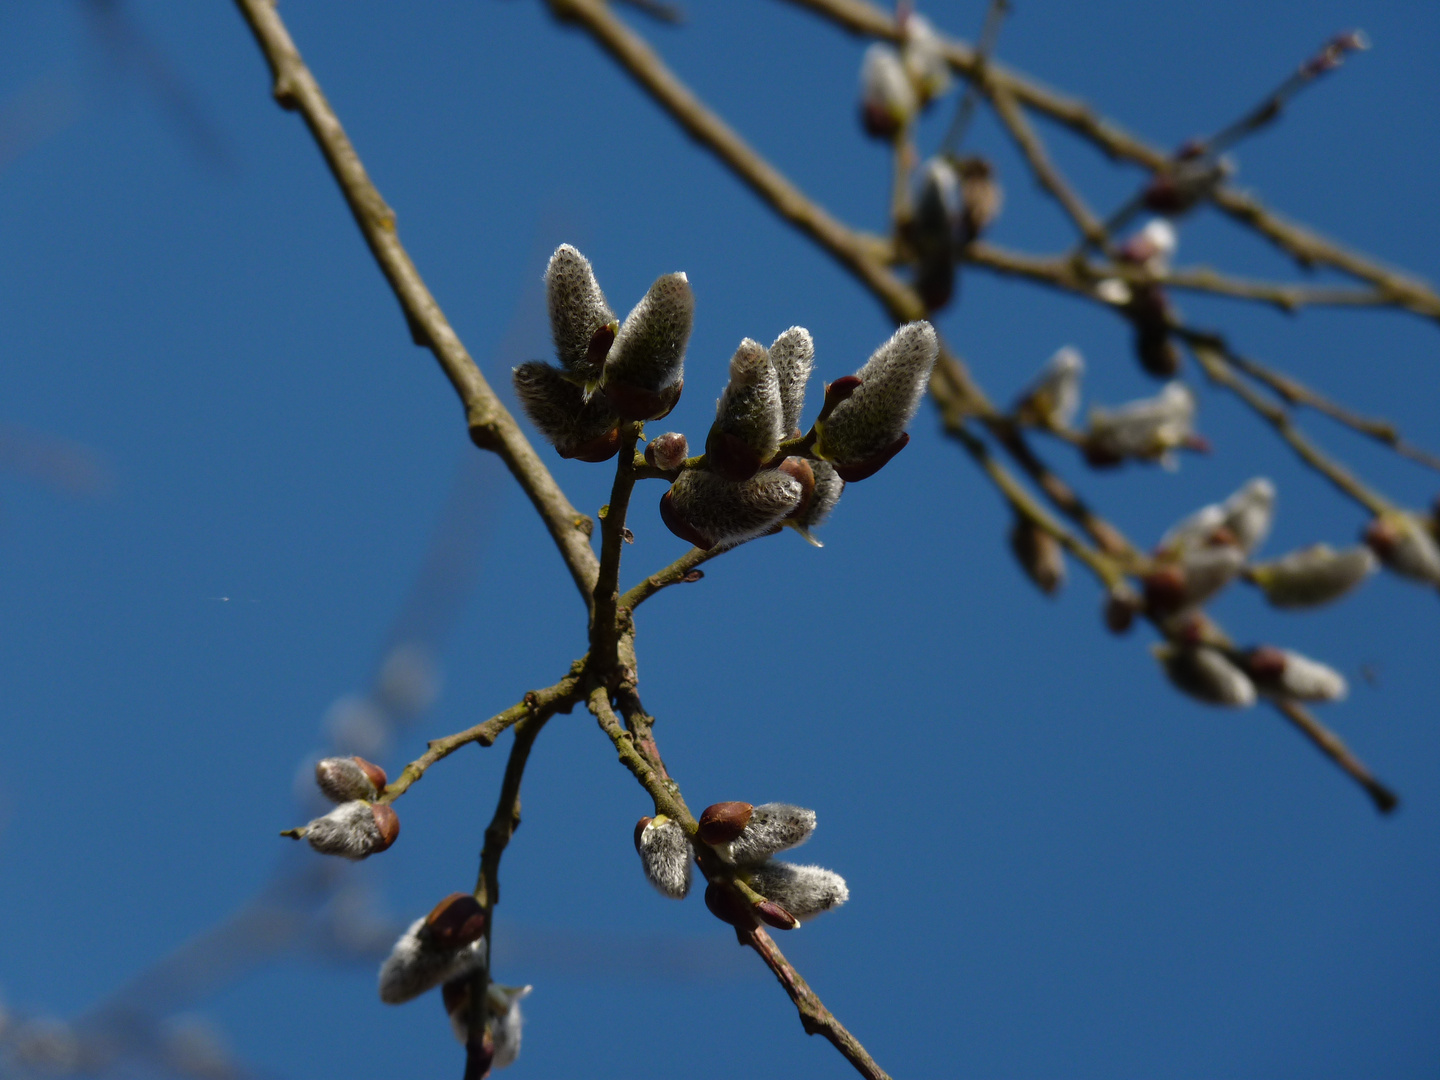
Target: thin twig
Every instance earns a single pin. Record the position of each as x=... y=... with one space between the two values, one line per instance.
x=604 y=629
x=547 y=702
x=682 y=569
x=1297 y=393
x=491 y=426
x=1012 y=116
x=965 y=111
x=1303 y=244
x=1211 y=355
x=1335 y=749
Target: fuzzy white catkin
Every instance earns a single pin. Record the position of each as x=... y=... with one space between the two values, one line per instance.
x=1054 y=397
x=886 y=94
x=348 y=831
x=649 y=350
x=341 y=779
x=1409 y=549
x=665 y=857
x=750 y=408
x=924 y=58
x=773 y=827
x=1247 y=514
x=416 y=965
x=1304 y=679
x=577 y=308
x=1146 y=428
x=1208 y=570
x=892 y=382
x=804 y=891
x=1207 y=675
x=1314 y=575
x=728 y=513
x=793 y=358
x=558 y=408
x=507 y=1022
x=828 y=489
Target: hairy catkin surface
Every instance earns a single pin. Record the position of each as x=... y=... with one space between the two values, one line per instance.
x=804 y=891
x=772 y=827
x=649 y=350
x=793 y=358
x=892 y=383
x=577 y=308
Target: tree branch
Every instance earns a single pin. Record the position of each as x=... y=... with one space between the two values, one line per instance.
x=542 y=703
x=491 y=426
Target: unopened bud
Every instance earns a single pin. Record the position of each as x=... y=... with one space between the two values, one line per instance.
x=727 y=906
x=771 y=828
x=1121 y=606
x=353 y=830
x=1053 y=399
x=710 y=511
x=772 y=914
x=645 y=371
x=345 y=779
x=749 y=417
x=981 y=197
x=1207 y=675
x=1405 y=546
x=723 y=822
x=665 y=856
x=867 y=429
x=793 y=358
x=803 y=891
x=934 y=231
x=887 y=97
x=1281 y=673
x=1039 y=554
x=667 y=451
x=577 y=310
x=1313 y=576
x=577 y=428
x=419 y=962
x=454 y=922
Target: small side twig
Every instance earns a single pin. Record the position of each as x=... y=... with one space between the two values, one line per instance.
x=683 y=569
x=1335 y=749
x=545 y=703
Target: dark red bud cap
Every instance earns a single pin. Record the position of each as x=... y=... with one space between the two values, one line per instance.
x=387 y=822
x=728 y=907
x=600 y=448
x=637 y=403
x=1119 y=612
x=724 y=821
x=640 y=828
x=858 y=471
x=838 y=391
x=1381 y=536
x=1165 y=588
x=680 y=527
x=599 y=346
x=455 y=922
x=731 y=456
x=772 y=914
x=374 y=773
x=799 y=469
x=1265 y=662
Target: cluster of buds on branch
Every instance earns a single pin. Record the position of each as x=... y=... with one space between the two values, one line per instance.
x=759 y=473
x=358 y=827
x=744 y=840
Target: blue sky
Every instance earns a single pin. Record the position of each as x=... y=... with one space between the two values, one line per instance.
x=1058 y=866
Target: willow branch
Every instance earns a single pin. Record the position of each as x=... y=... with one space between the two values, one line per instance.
x=1012 y=116
x=1335 y=749
x=849 y=248
x=491 y=425
x=604 y=627
x=542 y=703
x=1295 y=392
x=814 y=1016
x=682 y=569
x=1304 y=245
x=1212 y=358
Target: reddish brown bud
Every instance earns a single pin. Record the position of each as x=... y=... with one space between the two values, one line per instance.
x=667 y=451
x=680 y=527
x=1165 y=588
x=387 y=822
x=726 y=906
x=640 y=828
x=836 y=392
x=724 y=821
x=731 y=456
x=374 y=773
x=600 y=343
x=693 y=576
x=853 y=473
x=1120 y=609
x=638 y=403
x=1265 y=662
x=800 y=469
x=772 y=914
x=455 y=922
x=601 y=448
